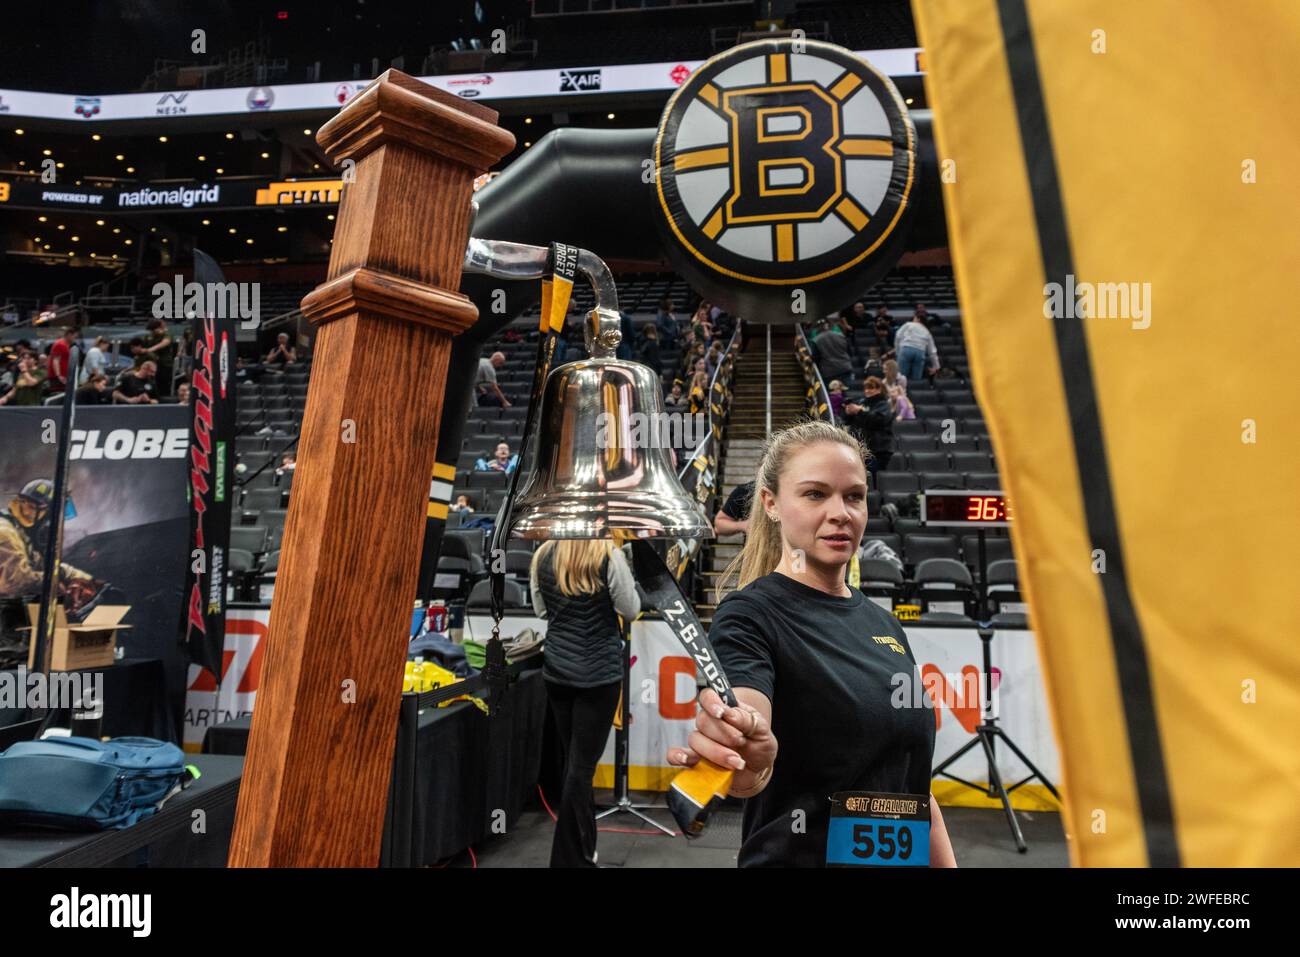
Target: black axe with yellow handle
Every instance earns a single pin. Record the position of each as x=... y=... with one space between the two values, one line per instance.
x=696 y=791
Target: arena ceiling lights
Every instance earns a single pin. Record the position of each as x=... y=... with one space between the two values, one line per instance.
x=291 y=97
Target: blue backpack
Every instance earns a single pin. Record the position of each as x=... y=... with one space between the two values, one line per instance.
x=87 y=785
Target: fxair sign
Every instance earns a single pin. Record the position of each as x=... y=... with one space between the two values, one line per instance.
x=305 y=193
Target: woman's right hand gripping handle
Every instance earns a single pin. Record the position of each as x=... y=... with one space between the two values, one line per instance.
x=739 y=739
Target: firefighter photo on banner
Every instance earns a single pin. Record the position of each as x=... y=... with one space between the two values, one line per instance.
x=125 y=524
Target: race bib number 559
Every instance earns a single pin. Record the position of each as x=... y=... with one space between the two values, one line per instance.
x=873 y=829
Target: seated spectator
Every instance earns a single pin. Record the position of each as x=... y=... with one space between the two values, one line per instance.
x=901 y=404
x=713 y=358
x=501 y=461
x=288 y=462
x=135 y=386
x=95 y=391
x=283 y=353
x=873 y=420
x=462 y=505
x=183 y=393
x=96 y=360
x=676 y=400
x=883 y=334
x=836 y=392
x=929 y=319
x=856 y=317
x=698 y=353
x=28 y=382
x=485 y=382
x=892 y=378
x=874 y=364
x=701 y=327
x=699 y=391
x=135 y=349
x=43 y=367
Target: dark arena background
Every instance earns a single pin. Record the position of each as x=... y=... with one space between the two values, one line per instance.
x=913 y=383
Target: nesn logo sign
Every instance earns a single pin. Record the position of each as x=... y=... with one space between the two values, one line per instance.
x=579 y=81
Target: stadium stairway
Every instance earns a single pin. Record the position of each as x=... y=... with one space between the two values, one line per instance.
x=746 y=432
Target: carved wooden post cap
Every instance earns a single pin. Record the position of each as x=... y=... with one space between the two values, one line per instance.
x=397 y=108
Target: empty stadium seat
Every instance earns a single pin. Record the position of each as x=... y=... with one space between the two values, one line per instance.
x=518 y=562
x=972 y=462
x=249 y=538
x=939 y=480
x=919 y=442
x=946 y=592
x=877 y=523
x=892 y=540
x=488 y=480
x=480 y=597
x=918 y=547
x=888 y=482
x=258 y=499
x=959 y=443
x=928 y=461
x=996 y=549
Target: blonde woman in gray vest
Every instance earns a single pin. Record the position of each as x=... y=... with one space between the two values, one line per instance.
x=581 y=588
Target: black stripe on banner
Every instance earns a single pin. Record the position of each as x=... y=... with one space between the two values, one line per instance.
x=1090 y=447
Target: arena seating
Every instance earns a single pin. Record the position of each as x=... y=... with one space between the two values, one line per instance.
x=946 y=446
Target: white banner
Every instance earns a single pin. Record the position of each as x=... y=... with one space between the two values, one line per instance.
x=951 y=662
x=289 y=97
x=663 y=697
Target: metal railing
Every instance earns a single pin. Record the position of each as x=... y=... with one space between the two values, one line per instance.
x=699 y=475
x=818 y=398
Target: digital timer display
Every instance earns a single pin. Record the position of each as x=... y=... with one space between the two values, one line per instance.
x=965 y=509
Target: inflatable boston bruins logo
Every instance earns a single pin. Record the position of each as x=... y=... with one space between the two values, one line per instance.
x=781 y=170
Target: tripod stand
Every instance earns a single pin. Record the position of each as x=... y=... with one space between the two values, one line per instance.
x=987 y=731
x=622 y=800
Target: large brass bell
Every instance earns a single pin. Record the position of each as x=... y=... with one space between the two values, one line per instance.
x=596 y=472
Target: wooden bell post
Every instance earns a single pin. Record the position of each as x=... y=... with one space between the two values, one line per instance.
x=316 y=779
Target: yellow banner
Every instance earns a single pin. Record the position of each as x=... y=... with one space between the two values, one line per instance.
x=307 y=193
x=1122 y=222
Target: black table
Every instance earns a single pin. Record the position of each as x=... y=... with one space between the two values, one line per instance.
x=167 y=839
x=135 y=701
x=462 y=772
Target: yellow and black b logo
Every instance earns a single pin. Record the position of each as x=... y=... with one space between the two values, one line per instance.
x=781 y=167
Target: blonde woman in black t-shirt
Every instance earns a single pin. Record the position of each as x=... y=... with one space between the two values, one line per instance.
x=813 y=662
